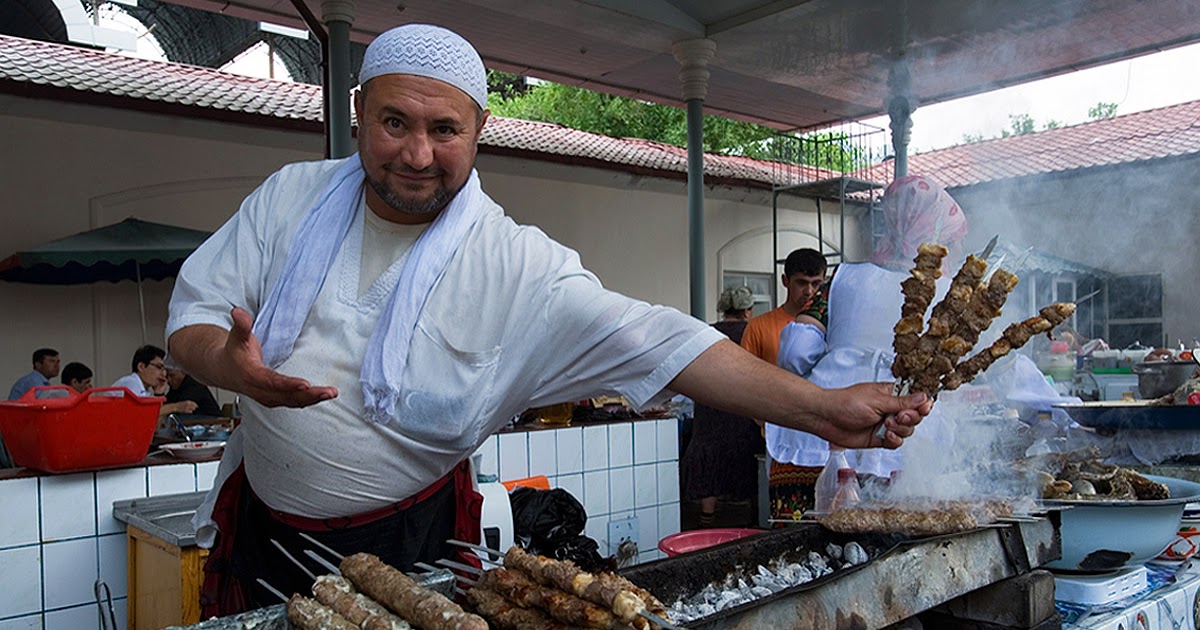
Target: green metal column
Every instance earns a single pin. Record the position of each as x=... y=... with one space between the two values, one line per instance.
x=693 y=56
x=338 y=16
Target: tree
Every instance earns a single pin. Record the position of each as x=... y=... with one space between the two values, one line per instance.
x=623 y=117
x=1020 y=124
x=1102 y=110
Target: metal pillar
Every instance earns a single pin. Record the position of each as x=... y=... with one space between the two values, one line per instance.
x=693 y=56
x=338 y=16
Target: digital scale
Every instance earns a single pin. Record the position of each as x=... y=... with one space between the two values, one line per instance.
x=1100 y=589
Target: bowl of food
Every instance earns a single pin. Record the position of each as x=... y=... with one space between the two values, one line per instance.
x=193 y=450
x=1104 y=535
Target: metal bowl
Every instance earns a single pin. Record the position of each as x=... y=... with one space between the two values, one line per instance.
x=1162 y=377
x=1104 y=536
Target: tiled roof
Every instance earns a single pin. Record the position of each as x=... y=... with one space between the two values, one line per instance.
x=39 y=63
x=1152 y=134
x=1164 y=132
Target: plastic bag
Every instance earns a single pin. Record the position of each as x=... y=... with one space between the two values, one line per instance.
x=550 y=523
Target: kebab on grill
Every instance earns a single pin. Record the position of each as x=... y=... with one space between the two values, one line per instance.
x=507 y=615
x=611 y=591
x=933 y=357
x=519 y=589
x=339 y=594
x=422 y=607
x=309 y=614
x=1015 y=336
x=930 y=519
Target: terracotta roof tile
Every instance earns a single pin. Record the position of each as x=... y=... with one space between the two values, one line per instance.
x=1159 y=133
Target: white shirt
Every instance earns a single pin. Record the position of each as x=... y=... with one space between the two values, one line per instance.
x=134 y=383
x=514 y=322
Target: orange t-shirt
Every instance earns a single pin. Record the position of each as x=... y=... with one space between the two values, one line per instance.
x=762 y=334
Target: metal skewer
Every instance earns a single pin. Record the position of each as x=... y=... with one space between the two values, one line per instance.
x=649 y=616
x=274 y=591
x=295 y=561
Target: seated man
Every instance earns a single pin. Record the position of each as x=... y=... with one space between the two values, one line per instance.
x=45 y=367
x=150 y=375
x=78 y=376
x=184 y=387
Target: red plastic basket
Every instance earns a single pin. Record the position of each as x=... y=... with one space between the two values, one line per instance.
x=57 y=429
x=697 y=539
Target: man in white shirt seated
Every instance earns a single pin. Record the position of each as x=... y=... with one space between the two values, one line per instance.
x=150 y=376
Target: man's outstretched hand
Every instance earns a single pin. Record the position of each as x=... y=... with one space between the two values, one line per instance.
x=853 y=414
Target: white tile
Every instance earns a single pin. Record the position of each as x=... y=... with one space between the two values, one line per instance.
x=20 y=581
x=645 y=485
x=77 y=618
x=32 y=622
x=620 y=482
x=68 y=506
x=489 y=452
x=668 y=482
x=645 y=442
x=620 y=444
x=514 y=456
x=20 y=523
x=597 y=530
x=172 y=479
x=570 y=450
x=668 y=520
x=647 y=529
x=668 y=439
x=70 y=571
x=647 y=556
x=206 y=474
x=572 y=484
x=116 y=485
x=543 y=453
x=595 y=493
x=113 y=549
x=595 y=448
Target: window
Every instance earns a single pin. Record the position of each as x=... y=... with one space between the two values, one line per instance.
x=760 y=285
x=1135 y=310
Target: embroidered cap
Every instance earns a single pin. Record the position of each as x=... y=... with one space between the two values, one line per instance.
x=735 y=299
x=428 y=51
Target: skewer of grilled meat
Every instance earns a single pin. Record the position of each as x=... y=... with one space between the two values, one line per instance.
x=389 y=586
x=309 y=614
x=929 y=361
x=613 y=592
x=516 y=587
x=1015 y=336
x=339 y=594
x=918 y=290
x=509 y=616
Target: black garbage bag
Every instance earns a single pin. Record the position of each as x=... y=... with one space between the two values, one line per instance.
x=550 y=523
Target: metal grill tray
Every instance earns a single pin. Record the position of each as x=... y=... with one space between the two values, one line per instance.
x=1133 y=414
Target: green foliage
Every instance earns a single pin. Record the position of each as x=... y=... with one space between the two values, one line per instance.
x=623 y=117
x=1019 y=124
x=1102 y=110
x=505 y=85
x=1052 y=124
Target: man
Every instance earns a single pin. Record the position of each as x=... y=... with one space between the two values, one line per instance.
x=181 y=387
x=45 y=367
x=78 y=376
x=382 y=317
x=149 y=376
x=803 y=274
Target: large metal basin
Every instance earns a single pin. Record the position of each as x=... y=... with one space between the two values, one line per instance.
x=1102 y=536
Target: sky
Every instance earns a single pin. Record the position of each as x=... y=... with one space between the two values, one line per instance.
x=1146 y=82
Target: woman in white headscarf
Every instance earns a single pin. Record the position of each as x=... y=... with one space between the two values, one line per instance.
x=864 y=305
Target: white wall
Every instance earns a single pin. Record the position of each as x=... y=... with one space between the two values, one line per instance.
x=69 y=168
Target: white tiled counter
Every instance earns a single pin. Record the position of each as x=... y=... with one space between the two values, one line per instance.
x=58 y=536
x=617 y=470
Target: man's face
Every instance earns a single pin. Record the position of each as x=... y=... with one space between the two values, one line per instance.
x=48 y=366
x=417 y=140
x=175 y=378
x=80 y=385
x=153 y=374
x=801 y=288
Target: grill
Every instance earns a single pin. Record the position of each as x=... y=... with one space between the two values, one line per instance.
x=903 y=577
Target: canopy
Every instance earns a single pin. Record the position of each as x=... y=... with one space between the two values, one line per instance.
x=129 y=250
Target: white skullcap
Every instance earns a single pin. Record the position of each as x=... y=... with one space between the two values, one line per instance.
x=428 y=51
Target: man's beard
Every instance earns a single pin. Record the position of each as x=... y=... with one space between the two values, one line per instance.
x=439 y=199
